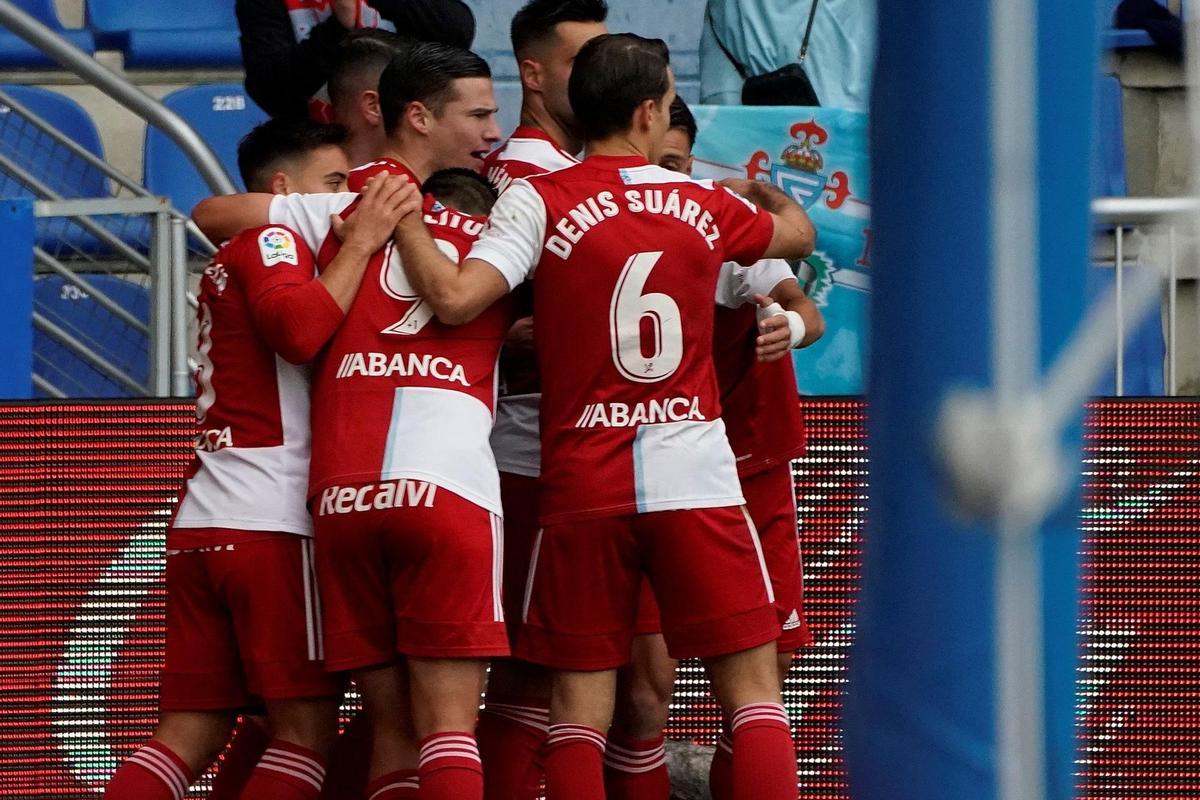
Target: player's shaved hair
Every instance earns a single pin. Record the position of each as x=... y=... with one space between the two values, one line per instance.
x=683 y=120
x=424 y=73
x=464 y=190
x=537 y=19
x=279 y=143
x=360 y=59
x=613 y=75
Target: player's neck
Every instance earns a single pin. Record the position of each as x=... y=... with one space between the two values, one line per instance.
x=535 y=115
x=363 y=147
x=620 y=145
x=420 y=167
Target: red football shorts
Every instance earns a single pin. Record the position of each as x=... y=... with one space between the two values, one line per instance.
x=705 y=566
x=243 y=619
x=416 y=572
x=519 y=495
x=771 y=501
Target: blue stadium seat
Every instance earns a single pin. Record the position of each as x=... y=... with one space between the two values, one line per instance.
x=125 y=347
x=16 y=52
x=35 y=151
x=222 y=114
x=1145 y=348
x=1109 y=156
x=198 y=33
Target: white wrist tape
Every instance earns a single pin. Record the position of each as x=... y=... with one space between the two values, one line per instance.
x=796 y=327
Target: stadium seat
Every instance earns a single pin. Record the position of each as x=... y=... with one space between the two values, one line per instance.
x=1109 y=159
x=199 y=33
x=16 y=52
x=67 y=307
x=37 y=152
x=1145 y=348
x=222 y=114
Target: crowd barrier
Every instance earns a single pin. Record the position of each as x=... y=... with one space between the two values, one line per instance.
x=87 y=488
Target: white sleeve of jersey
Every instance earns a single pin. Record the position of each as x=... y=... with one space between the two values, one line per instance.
x=516 y=229
x=737 y=285
x=308 y=214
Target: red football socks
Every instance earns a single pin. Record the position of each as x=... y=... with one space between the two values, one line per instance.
x=510 y=737
x=574 y=759
x=152 y=773
x=764 y=758
x=286 y=772
x=636 y=770
x=720 y=774
x=450 y=767
x=240 y=760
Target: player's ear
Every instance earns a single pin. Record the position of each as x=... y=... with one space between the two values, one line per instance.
x=688 y=166
x=368 y=105
x=418 y=116
x=644 y=115
x=531 y=74
x=280 y=184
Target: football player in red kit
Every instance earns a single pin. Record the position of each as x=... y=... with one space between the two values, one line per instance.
x=761 y=409
x=546 y=35
x=637 y=472
x=242 y=611
x=403 y=486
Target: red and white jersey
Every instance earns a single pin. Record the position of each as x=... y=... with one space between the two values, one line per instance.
x=528 y=152
x=760 y=403
x=398 y=394
x=252 y=435
x=626 y=256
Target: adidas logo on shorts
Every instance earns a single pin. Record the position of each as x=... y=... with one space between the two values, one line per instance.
x=793 y=621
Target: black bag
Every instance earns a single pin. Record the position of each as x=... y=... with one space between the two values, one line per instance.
x=786 y=86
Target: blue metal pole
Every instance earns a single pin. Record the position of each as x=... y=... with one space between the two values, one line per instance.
x=16 y=298
x=924 y=718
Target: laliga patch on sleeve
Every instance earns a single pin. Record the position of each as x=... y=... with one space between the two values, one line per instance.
x=278 y=246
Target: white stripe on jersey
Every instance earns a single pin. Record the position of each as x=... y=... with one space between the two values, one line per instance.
x=536 y=151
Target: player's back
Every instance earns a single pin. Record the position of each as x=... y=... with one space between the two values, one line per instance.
x=398 y=393
x=623 y=298
x=252 y=440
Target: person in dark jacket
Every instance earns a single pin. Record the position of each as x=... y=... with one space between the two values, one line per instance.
x=288 y=46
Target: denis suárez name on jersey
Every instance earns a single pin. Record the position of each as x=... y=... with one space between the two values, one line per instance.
x=384 y=365
x=624 y=415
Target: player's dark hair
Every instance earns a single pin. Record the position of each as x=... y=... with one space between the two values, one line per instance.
x=536 y=20
x=424 y=73
x=613 y=75
x=360 y=59
x=682 y=119
x=462 y=189
x=269 y=146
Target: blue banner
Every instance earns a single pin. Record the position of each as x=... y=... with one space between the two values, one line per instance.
x=819 y=157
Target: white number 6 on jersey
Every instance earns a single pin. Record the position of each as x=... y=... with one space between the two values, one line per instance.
x=629 y=307
x=395 y=285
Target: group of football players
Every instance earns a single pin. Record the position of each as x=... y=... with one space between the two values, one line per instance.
x=363 y=505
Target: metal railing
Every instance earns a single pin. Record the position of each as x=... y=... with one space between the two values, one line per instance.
x=1157 y=223
x=167 y=330
x=119 y=89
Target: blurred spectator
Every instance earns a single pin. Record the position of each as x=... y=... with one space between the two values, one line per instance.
x=745 y=38
x=288 y=46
